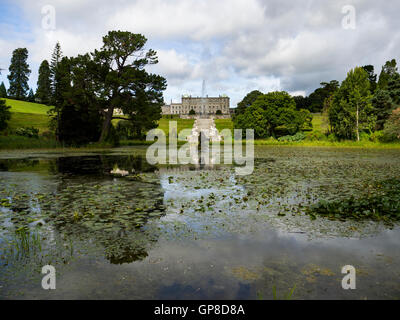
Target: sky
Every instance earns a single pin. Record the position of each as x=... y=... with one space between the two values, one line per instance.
x=236 y=46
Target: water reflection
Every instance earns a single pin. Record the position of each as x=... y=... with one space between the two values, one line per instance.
x=190 y=232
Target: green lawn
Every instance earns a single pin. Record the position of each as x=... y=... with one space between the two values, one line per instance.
x=27 y=107
x=28 y=114
x=19 y=120
x=163 y=124
x=320 y=123
x=222 y=124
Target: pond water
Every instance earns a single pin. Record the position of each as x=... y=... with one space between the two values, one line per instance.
x=183 y=232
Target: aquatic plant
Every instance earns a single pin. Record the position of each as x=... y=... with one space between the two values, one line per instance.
x=381 y=201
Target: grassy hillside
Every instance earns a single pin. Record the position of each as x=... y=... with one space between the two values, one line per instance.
x=320 y=122
x=163 y=124
x=28 y=114
x=27 y=107
x=19 y=120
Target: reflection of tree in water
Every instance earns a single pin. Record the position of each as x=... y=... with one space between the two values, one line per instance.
x=123 y=248
x=102 y=164
x=111 y=213
x=17 y=164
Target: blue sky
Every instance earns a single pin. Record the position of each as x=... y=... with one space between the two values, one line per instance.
x=235 y=45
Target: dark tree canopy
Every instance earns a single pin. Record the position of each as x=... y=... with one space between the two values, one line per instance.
x=93 y=86
x=247 y=101
x=316 y=99
x=80 y=120
x=386 y=100
x=388 y=71
x=56 y=88
x=43 y=91
x=273 y=114
x=371 y=77
x=3 y=91
x=19 y=74
x=5 y=114
x=31 y=96
x=122 y=81
x=301 y=102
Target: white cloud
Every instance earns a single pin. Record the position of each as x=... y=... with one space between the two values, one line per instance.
x=236 y=45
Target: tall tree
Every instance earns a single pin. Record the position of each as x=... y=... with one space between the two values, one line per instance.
x=383 y=106
x=5 y=114
x=301 y=102
x=372 y=76
x=121 y=79
x=80 y=119
x=31 y=96
x=19 y=74
x=388 y=71
x=386 y=100
x=352 y=110
x=3 y=90
x=55 y=77
x=247 y=101
x=43 y=91
x=316 y=99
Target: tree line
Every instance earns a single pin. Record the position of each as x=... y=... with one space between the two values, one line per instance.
x=362 y=104
x=86 y=91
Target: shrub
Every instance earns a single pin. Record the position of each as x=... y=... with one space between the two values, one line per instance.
x=332 y=138
x=376 y=136
x=299 y=136
x=192 y=112
x=27 y=132
x=316 y=136
x=364 y=136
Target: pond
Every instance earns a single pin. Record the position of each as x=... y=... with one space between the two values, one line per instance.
x=184 y=232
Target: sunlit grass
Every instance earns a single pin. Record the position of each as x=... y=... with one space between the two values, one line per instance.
x=27 y=107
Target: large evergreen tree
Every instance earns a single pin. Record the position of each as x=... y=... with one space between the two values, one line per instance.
x=3 y=91
x=371 y=77
x=31 y=96
x=19 y=74
x=43 y=91
x=5 y=114
x=80 y=119
x=121 y=79
x=388 y=71
x=56 y=91
x=386 y=100
x=352 y=110
x=383 y=106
